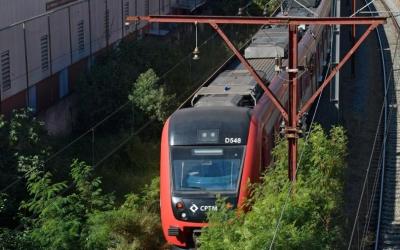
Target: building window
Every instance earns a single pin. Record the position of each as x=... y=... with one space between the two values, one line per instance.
x=5 y=70
x=44 y=48
x=126 y=13
x=81 y=37
x=126 y=9
x=107 y=23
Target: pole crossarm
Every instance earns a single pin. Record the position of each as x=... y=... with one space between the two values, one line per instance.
x=214 y=22
x=290 y=114
x=252 y=71
x=260 y=20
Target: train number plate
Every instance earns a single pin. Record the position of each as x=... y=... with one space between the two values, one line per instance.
x=233 y=140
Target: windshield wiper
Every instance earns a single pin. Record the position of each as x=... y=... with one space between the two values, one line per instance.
x=195 y=187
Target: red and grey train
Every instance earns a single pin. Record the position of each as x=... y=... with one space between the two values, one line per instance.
x=223 y=138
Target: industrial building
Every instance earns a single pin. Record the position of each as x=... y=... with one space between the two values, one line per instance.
x=45 y=45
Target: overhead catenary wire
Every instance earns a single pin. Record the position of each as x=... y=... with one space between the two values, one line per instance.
x=301 y=155
x=148 y=123
x=362 y=8
x=391 y=76
x=388 y=84
x=67 y=146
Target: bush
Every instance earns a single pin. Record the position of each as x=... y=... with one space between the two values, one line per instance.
x=149 y=97
x=22 y=134
x=134 y=225
x=81 y=216
x=311 y=219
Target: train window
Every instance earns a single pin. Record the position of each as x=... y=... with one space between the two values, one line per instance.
x=206 y=168
x=258 y=91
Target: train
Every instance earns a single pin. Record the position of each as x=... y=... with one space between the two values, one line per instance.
x=223 y=138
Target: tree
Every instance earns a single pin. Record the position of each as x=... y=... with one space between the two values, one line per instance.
x=55 y=220
x=22 y=134
x=102 y=90
x=149 y=97
x=80 y=216
x=311 y=219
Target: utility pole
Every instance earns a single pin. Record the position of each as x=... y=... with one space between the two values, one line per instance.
x=353 y=39
x=293 y=114
x=292 y=130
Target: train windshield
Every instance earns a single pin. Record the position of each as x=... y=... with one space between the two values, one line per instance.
x=206 y=168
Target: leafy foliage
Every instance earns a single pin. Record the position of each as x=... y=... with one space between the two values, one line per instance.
x=81 y=216
x=58 y=221
x=105 y=87
x=311 y=219
x=135 y=225
x=22 y=134
x=149 y=97
x=14 y=240
x=3 y=200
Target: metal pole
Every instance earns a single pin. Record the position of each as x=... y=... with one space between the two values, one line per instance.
x=260 y=20
x=291 y=131
x=292 y=117
x=336 y=56
x=353 y=40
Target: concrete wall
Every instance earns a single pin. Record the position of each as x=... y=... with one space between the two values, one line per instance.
x=12 y=11
x=59 y=38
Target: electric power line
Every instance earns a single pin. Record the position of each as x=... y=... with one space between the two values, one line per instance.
x=301 y=155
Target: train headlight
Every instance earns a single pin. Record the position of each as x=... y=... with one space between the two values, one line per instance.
x=180 y=205
x=208 y=135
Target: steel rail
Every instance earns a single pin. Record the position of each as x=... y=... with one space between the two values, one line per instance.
x=385 y=130
x=379 y=221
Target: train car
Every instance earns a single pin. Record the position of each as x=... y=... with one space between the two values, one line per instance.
x=223 y=139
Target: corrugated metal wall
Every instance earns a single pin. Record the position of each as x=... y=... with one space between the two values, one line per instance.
x=44 y=46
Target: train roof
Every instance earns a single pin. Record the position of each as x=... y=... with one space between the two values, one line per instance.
x=230 y=88
x=187 y=124
x=236 y=87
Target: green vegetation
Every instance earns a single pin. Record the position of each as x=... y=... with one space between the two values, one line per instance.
x=149 y=98
x=79 y=214
x=312 y=217
x=62 y=205
x=22 y=135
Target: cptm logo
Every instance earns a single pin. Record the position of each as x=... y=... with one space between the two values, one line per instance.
x=194 y=208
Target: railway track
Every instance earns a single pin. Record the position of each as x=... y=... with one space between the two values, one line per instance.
x=388 y=222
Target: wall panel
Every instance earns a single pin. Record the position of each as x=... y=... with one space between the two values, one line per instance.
x=60 y=40
x=13 y=40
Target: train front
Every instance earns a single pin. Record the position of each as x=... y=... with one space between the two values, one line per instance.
x=202 y=155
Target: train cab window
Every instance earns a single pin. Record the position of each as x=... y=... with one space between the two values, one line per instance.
x=258 y=91
x=206 y=168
